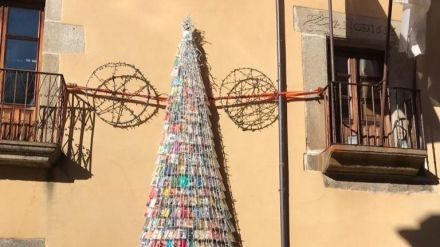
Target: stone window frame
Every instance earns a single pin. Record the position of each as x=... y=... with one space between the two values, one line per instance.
x=312 y=24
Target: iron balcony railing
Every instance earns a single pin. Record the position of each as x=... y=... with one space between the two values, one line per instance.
x=32 y=106
x=353 y=116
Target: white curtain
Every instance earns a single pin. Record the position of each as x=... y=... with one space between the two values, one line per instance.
x=413 y=29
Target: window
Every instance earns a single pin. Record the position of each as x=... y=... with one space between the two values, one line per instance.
x=358 y=76
x=20 y=46
x=20 y=29
x=353 y=104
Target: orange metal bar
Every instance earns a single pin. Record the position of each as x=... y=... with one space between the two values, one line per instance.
x=273 y=96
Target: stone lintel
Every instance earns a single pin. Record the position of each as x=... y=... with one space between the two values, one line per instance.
x=315 y=21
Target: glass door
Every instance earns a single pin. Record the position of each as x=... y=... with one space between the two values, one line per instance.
x=19 y=81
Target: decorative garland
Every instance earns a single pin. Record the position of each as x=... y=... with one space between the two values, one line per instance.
x=187 y=206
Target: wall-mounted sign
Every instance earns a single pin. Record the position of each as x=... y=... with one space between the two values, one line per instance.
x=315 y=21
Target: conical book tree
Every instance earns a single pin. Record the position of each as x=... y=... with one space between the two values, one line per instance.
x=186 y=205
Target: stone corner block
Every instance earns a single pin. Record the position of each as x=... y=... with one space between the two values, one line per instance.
x=63 y=38
x=16 y=242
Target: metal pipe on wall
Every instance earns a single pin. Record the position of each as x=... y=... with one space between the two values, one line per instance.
x=332 y=70
x=385 y=74
x=332 y=46
x=282 y=126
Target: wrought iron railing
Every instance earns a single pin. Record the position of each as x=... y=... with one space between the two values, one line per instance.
x=32 y=106
x=353 y=116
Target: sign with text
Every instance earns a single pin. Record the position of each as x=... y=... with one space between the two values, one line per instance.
x=315 y=21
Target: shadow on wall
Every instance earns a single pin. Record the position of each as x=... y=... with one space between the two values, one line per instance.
x=355 y=30
x=429 y=81
x=362 y=8
x=431 y=77
x=209 y=82
x=427 y=235
x=75 y=162
x=78 y=139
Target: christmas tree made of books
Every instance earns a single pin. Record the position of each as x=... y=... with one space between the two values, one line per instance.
x=186 y=206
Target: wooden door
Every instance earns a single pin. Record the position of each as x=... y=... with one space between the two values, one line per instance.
x=358 y=75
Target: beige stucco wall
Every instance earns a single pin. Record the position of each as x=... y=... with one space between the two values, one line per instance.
x=107 y=209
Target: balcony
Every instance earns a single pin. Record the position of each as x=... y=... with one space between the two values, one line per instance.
x=32 y=112
x=355 y=144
